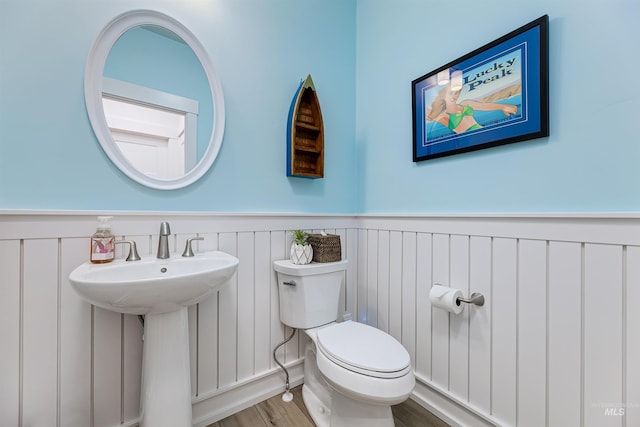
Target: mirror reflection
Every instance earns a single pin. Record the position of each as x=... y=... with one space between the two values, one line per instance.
x=157 y=102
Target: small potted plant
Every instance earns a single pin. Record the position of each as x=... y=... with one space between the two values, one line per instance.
x=301 y=251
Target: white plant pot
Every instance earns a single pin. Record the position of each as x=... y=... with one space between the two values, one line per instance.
x=301 y=254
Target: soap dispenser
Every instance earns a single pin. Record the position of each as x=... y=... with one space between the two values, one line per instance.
x=103 y=242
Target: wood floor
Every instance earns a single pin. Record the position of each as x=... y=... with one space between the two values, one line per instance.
x=274 y=412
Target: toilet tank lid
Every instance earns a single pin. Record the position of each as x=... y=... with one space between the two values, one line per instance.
x=287 y=267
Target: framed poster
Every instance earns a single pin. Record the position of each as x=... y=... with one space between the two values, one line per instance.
x=495 y=95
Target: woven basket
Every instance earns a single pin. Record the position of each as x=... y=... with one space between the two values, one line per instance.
x=325 y=248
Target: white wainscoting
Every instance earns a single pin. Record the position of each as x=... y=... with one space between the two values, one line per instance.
x=556 y=344
x=67 y=363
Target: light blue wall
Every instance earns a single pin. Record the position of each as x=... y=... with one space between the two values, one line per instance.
x=591 y=160
x=363 y=55
x=49 y=156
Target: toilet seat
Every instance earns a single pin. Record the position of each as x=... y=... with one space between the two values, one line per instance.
x=364 y=349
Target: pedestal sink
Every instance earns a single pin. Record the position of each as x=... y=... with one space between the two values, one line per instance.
x=161 y=289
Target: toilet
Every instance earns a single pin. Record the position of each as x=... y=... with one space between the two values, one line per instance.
x=353 y=372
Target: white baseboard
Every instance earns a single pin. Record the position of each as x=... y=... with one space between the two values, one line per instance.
x=452 y=411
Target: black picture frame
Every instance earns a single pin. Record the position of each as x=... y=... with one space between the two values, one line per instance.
x=498 y=94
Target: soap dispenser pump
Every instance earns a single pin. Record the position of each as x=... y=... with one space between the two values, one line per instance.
x=103 y=242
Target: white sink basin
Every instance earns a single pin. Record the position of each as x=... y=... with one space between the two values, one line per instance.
x=152 y=285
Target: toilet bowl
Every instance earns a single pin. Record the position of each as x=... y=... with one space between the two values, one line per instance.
x=353 y=372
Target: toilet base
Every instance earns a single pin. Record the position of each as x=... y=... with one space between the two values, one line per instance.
x=345 y=412
x=320 y=412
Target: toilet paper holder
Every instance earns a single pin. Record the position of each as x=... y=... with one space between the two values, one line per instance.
x=476 y=298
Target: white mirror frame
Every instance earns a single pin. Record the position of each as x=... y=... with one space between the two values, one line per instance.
x=93 y=95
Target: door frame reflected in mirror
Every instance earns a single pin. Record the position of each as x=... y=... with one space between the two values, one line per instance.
x=93 y=90
x=137 y=110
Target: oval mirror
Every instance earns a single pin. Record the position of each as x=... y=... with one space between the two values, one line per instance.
x=154 y=100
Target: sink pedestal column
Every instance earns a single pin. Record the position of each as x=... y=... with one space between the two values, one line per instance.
x=166 y=377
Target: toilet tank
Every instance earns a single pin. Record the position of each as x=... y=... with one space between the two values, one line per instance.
x=309 y=293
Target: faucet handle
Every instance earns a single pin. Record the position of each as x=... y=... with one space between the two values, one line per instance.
x=188 y=252
x=133 y=251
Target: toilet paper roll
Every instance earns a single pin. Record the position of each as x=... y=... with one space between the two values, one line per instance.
x=446 y=298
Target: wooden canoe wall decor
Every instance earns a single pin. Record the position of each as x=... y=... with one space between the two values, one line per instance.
x=305 y=133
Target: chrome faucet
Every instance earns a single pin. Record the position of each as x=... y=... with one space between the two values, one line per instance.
x=163 y=243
